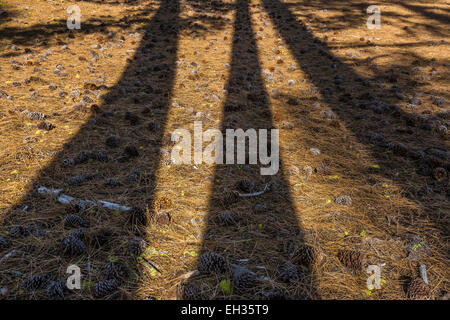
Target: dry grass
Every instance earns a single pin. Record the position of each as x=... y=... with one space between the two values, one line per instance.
x=392 y=204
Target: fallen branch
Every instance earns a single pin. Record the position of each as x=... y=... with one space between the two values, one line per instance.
x=83 y=204
x=266 y=188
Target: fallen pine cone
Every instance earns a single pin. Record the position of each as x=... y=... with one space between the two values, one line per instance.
x=115 y=270
x=4 y=244
x=212 y=263
x=245 y=185
x=55 y=290
x=188 y=292
x=104 y=288
x=227 y=218
x=73 y=220
x=45 y=125
x=301 y=253
x=288 y=273
x=244 y=282
x=354 y=260
x=36 y=281
x=137 y=246
x=229 y=197
x=73 y=245
x=19 y=232
x=419 y=290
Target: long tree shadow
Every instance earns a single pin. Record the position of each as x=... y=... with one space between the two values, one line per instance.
x=103 y=157
x=350 y=88
x=404 y=144
x=260 y=237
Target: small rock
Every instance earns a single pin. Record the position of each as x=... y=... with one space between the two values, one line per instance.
x=328 y=114
x=307 y=171
x=314 y=151
x=293 y=170
x=276 y=93
x=287 y=125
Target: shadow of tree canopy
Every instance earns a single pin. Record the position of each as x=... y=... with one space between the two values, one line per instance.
x=201 y=21
x=348 y=14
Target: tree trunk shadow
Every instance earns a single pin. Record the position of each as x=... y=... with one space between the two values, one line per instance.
x=261 y=237
x=104 y=154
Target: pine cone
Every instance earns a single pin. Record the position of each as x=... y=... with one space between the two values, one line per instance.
x=245 y=185
x=288 y=273
x=419 y=290
x=302 y=253
x=137 y=246
x=36 y=281
x=188 y=292
x=82 y=157
x=99 y=155
x=104 y=288
x=73 y=220
x=45 y=125
x=68 y=162
x=344 y=200
x=78 y=233
x=229 y=197
x=354 y=260
x=73 y=245
x=19 y=232
x=243 y=282
x=162 y=218
x=227 y=218
x=306 y=255
x=76 y=180
x=115 y=270
x=212 y=263
x=55 y=290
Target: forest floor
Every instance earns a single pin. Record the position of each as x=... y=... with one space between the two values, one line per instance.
x=363 y=120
